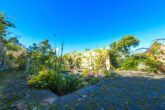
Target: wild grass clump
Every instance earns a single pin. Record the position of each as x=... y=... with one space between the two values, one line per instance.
x=59 y=83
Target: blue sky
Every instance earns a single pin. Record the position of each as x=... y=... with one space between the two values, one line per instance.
x=86 y=23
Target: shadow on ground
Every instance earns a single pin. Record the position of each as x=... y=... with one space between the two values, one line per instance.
x=124 y=92
x=15 y=92
x=121 y=93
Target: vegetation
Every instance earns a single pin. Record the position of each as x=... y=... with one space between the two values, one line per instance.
x=72 y=61
x=58 y=83
x=46 y=67
x=121 y=58
x=10 y=48
x=141 y=62
x=100 y=59
x=121 y=50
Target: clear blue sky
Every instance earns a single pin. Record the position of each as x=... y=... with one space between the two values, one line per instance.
x=86 y=23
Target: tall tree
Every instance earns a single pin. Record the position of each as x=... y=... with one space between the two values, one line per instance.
x=121 y=49
x=126 y=43
x=4 y=42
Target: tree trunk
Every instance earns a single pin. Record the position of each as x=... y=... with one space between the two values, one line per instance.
x=27 y=64
x=4 y=60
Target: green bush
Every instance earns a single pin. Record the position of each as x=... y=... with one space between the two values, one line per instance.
x=154 y=65
x=149 y=63
x=94 y=80
x=85 y=72
x=131 y=63
x=41 y=80
x=59 y=83
x=111 y=74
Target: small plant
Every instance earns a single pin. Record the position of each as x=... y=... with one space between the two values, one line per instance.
x=94 y=80
x=85 y=72
x=111 y=74
x=61 y=84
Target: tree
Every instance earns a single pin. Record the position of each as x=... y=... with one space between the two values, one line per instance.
x=40 y=55
x=4 y=25
x=147 y=60
x=121 y=49
x=154 y=50
x=7 y=43
x=87 y=49
x=126 y=43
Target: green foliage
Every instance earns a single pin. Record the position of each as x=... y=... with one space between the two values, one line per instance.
x=154 y=65
x=69 y=59
x=124 y=45
x=100 y=59
x=72 y=61
x=111 y=74
x=46 y=68
x=113 y=57
x=87 y=49
x=85 y=72
x=155 y=50
x=132 y=62
x=93 y=80
x=10 y=48
x=121 y=49
x=40 y=80
x=4 y=25
x=43 y=55
x=59 y=83
x=147 y=63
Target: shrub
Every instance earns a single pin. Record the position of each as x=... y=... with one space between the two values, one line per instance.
x=104 y=72
x=94 y=80
x=131 y=63
x=111 y=74
x=59 y=83
x=85 y=72
x=141 y=62
x=41 y=80
x=154 y=65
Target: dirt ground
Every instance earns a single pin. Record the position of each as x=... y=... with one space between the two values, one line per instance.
x=129 y=91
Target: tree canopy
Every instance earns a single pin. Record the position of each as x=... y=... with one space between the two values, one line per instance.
x=121 y=49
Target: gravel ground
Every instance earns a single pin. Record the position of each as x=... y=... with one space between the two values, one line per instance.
x=129 y=91
x=135 y=91
x=15 y=93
